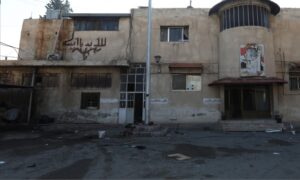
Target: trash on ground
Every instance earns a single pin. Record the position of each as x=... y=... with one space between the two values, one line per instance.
x=276 y=153
x=273 y=130
x=12 y=114
x=179 y=157
x=138 y=147
x=46 y=144
x=101 y=134
x=32 y=166
x=2 y=162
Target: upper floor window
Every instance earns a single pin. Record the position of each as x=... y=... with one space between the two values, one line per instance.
x=174 y=34
x=96 y=24
x=244 y=15
x=294 y=81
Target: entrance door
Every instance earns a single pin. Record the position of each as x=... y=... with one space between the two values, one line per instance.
x=233 y=105
x=249 y=102
x=138 y=108
x=132 y=90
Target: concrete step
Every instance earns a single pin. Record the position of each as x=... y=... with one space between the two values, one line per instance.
x=250 y=125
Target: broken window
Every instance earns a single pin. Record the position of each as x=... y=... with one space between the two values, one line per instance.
x=186 y=82
x=294 y=81
x=46 y=80
x=174 y=34
x=91 y=80
x=96 y=24
x=90 y=101
x=26 y=79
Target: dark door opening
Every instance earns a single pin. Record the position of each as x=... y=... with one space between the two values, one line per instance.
x=233 y=106
x=138 y=108
x=249 y=102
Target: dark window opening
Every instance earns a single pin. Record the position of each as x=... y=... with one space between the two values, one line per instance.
x=96 y=24
x=44 y=80
x=90 y=101
x=6 y=78
x=294 y=81
x=91 y=80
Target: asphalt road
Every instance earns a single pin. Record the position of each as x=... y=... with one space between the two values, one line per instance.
x=207 y=155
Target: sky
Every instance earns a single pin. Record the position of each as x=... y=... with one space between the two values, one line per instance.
x=13 y=12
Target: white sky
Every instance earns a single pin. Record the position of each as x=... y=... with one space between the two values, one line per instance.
x=14 y=11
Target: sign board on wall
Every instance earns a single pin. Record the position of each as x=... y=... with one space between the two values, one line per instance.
x=159 y=101
x=252 y=60
x=212 y=101
x=108 y=101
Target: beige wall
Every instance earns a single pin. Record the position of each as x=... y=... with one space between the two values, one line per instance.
x=40 y=38
x=202 y=46
x=285 y=27
x=63 y=102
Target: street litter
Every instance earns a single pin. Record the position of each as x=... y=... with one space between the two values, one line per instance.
x=276 y=153
x=138 y=147
x=2 y=162
x=179 y=157
x=101 y=134
x=32 y=166
x=273 y=130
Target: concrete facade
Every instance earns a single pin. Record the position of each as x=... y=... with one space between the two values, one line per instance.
x=210 y=55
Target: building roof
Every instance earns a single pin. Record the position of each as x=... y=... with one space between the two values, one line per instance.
x=275 y=8
x=95 y=15
x=248 y=81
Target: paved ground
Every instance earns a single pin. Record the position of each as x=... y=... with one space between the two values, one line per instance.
x=77 y=154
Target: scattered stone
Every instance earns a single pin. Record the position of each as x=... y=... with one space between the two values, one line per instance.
x=32 y=166
x=138 y=147
x=179 y=157
x=2 y=162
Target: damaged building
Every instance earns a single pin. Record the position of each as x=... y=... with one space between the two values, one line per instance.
x=236 y=61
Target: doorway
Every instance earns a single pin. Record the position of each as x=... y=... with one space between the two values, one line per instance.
x=248 y=102
x=138 y=108
x=132 y=92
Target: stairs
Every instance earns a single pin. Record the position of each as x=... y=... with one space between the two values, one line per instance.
x=250 y=125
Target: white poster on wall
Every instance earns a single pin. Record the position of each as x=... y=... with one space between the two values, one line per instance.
x=212 y=101
x=252 y=61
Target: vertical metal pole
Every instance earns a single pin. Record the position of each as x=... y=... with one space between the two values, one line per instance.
x=0 y=30
x=148 y=63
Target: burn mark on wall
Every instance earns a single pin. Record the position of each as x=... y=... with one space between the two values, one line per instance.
x=85 y=48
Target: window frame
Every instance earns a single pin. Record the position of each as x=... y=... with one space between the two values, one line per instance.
x=97 y=24
x=184 y=30
x=84 y=98
x=187 y=89
x=293 y=75
x=83 y=80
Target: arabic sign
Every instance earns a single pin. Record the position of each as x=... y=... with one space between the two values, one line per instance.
x=85 y=48
x=160 y=101
x=252 y=60
x=212 y=101
x=108 y=101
